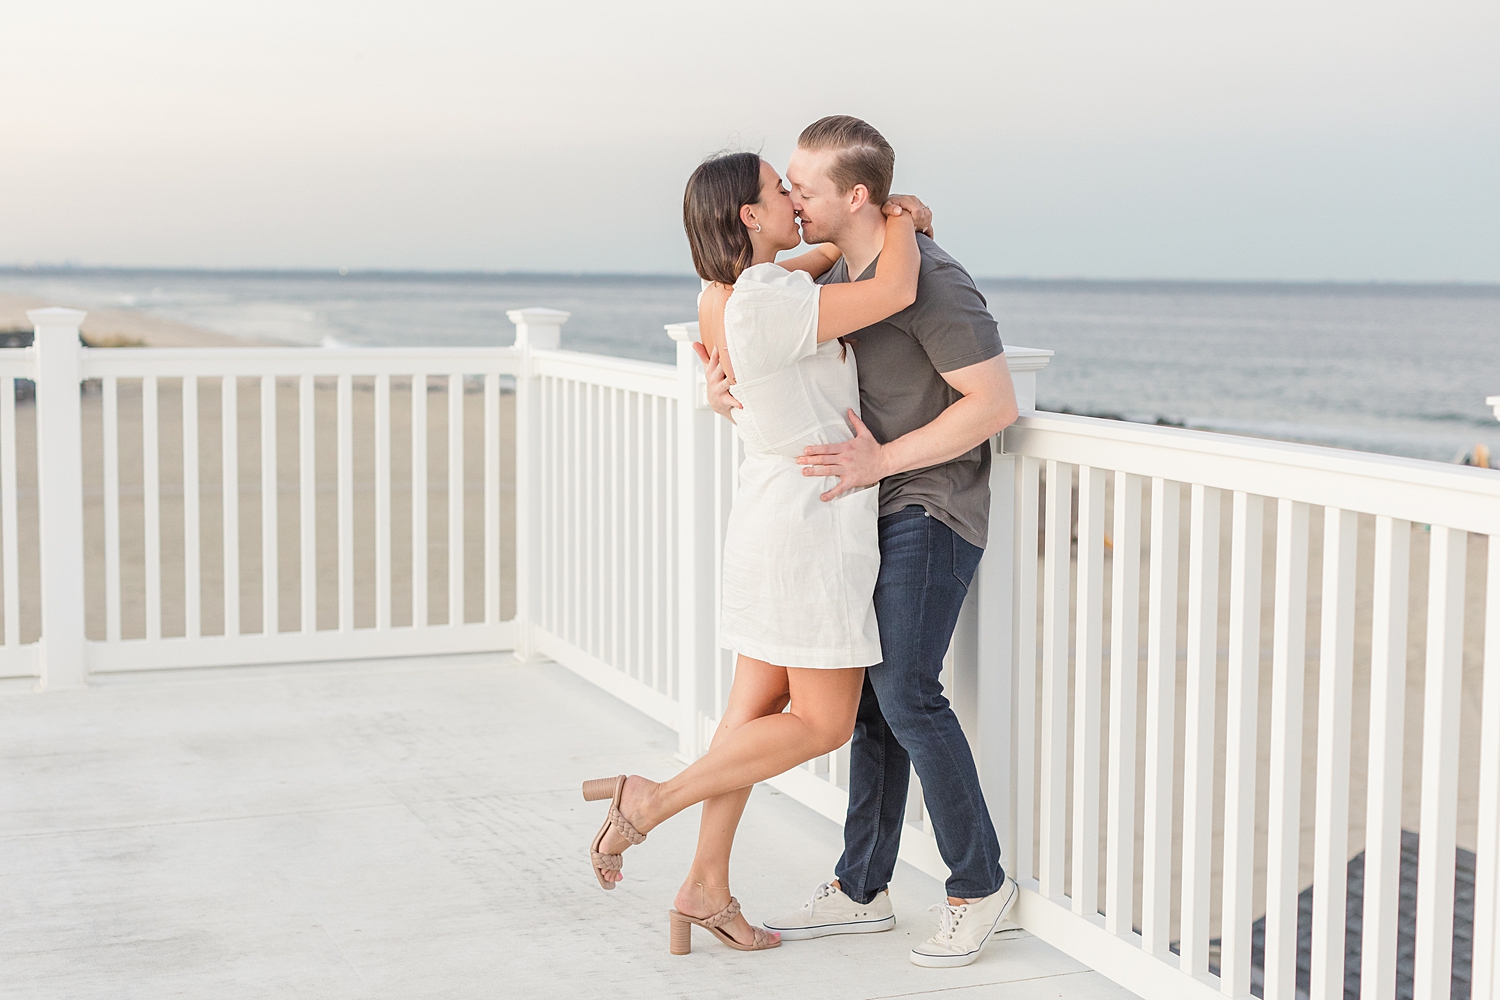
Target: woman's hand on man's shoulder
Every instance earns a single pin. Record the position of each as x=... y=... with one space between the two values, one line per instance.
x=921 y=215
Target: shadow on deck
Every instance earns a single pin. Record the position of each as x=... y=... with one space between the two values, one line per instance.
x=398 y=829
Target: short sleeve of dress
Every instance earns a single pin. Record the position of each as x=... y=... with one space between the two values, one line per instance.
x=771 y=321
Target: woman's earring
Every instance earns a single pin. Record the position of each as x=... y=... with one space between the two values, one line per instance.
x=757 y=227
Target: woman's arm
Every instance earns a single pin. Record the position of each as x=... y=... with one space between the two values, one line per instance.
x=844 y=308
x=815 y=262
x=711 y=324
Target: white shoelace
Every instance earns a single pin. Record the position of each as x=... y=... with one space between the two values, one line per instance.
x=948 y=918
x=821 y=892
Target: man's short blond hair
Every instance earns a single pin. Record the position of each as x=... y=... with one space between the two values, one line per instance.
x=864 y=157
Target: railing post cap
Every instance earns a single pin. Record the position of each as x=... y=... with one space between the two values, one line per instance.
x=682 y=332
x=55 y=316
x=1026 y=359
x=538 y=316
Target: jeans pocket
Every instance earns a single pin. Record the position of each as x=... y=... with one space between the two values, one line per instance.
x=965 y=561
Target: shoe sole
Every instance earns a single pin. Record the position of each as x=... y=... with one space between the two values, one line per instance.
x=968 y=958
x=828 y=930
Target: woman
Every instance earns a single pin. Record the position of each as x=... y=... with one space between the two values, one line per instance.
x=799 y=574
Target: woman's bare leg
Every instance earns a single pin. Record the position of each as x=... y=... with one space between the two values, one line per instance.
x=821 y=719
x=759 y=689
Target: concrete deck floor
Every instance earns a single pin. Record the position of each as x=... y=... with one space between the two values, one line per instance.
x=398 y=829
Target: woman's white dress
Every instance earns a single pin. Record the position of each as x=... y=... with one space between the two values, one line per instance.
x=799 y=573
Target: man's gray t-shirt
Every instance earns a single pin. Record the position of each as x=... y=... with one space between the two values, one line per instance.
x=900 y=386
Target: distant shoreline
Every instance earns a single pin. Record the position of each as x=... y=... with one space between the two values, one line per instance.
x=1070 y=283
x=123 y=325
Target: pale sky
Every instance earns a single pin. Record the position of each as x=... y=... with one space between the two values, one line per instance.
x=1118 y=138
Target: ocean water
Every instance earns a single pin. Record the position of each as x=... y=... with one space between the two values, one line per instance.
x=1399 y=369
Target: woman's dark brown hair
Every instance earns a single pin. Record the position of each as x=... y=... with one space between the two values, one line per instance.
x=711 y=214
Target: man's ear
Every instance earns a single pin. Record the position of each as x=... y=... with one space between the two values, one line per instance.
x=858 y=196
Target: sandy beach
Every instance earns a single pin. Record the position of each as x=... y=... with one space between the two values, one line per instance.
x=105 y=326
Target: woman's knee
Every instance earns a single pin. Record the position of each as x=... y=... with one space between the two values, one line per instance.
x=828 y=730
x=837 y=734
x=827 y=702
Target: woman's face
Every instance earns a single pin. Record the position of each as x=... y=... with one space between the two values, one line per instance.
x=778 y=222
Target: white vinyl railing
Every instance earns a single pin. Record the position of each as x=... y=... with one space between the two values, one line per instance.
x=1257 y=489
x=1166 y=761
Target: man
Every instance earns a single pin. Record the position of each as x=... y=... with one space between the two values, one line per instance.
x=934 y=388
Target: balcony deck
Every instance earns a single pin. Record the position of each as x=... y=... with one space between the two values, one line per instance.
x=399 y=828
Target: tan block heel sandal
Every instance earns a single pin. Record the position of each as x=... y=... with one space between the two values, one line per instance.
x=681 y=928
x=612 y=789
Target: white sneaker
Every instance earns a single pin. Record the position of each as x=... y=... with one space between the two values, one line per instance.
x=963 y=930
x=829 y=911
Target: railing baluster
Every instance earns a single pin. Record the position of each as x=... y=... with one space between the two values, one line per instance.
x=571 y=507
x=543 y=512
x=638 y=533
x=230 y=435
x=307 y=514
x=455 y=499
x=617 y=508
x=593 y=458
x=573 y=591
x=1331 y=809
x=382 y=501
x=151 y=493
x=1124 y=665
x=111 y=505
x=192 y=565
x=658 y=604
x=671 y=488
x=1288 y=670
x=1382 y=878
x=10 y=536
x=1028 y=483
x=1088 y=685
x=721 y=501
x=269 y=532
x=1161 y=718
x=1198 y=734
x=583 y=554
x=1440 y=724
x=1487 y=853
x=552 y=504
x=419 y=501
x=1055 y=678
x=1246 y=539
x=345 y=429
x=492 y=498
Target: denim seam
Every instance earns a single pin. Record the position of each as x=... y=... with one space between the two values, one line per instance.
x=869 y=859
x=975 y=807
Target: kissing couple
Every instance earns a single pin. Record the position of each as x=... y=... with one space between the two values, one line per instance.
x=866 y=378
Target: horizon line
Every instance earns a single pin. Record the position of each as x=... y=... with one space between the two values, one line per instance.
x=337 y=272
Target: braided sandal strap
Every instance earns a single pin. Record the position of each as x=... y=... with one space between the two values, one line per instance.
x=724 y=916
x=624 y=827
x=763 y=938
x=606 y=862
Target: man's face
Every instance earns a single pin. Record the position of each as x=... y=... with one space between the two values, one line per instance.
x=820 y=207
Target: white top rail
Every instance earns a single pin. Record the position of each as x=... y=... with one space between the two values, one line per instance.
x=1408 y=488
x=18 y=362
x=610 y=372
x=138 y=362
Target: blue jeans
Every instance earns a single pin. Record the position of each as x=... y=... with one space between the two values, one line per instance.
x=904 y=720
